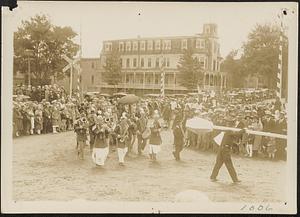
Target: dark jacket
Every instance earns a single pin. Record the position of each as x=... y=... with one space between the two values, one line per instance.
x=100 y=139
x=229 y=137
x=155 y=138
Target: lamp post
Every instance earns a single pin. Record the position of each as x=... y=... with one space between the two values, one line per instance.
x=29 y=53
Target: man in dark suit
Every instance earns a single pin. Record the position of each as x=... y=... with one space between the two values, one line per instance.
x=224 y=156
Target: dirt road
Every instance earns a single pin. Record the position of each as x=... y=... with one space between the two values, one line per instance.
x=45 y=167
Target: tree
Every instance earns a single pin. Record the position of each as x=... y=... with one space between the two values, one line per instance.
x=190 y=71
x=112 y=68
x=260 y=54
x=48 y=43
x=232 y=65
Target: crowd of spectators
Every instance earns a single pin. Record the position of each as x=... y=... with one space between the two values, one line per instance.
x=50 y=110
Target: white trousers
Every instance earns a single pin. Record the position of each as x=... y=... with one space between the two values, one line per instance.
x=249 y=148
x=121 y=154
x=154 y=149
x=32 y=123
x=99 y=155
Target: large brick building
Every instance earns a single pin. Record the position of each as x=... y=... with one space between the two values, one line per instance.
x=89 y=78
x=141 y=58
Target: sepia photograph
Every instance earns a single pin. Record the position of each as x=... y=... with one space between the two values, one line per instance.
x=152 y=107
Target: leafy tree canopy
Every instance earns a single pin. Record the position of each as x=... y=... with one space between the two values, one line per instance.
x=260 y=53
x=47 y=44
x=259 y=57
x=112 y=68
x=190 y=71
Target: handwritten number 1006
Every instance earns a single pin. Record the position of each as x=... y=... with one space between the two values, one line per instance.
x=256 y=208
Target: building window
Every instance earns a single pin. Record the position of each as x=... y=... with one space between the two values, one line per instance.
x=148 y=79
x=93 y=65
x=142 y=45
x=92 y=78
x=135 y=46
x=127 y=79
x=202 y=44
x=202 y=62
x=134 y=62
x=207 y=29
x=214 y=65
x=167 y=79
x=184 y=44
x=128 y=63
x=128 y=46
x=108 y=46
x=149 y=45
x=121 y=46
x=163 y=64
x=141 y=79
x=121 y=61
x=168 y=62
x=198 y=43
x=156 y=79
x=157 y=62
x=149 y=62
x=215 y=47
x=142 y=62
x=167 y=44
x=157 y=45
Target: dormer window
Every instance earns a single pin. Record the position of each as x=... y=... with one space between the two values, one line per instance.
x=207 y=30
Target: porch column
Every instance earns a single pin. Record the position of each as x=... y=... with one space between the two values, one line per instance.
x=174 y=77
x=221 y=81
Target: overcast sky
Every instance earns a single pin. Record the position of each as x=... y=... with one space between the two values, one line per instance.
x=105 y=21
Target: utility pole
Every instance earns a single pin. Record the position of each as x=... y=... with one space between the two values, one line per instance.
x=71 y=64
x=29 y=54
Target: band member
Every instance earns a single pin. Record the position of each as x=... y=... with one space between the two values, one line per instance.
x=131 y=133
x=224 y=156
x=155 y=138
x=81 y=129
x=121 y=131
x=110 y=123
x=141 y=127
x=178 y=134
x=91 y=119
x=100 y=145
